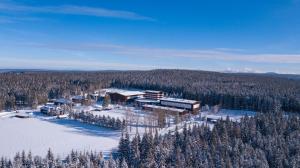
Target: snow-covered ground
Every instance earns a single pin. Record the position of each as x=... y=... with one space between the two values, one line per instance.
x=112 y=113
x=7 y=114
x=121 y=112
x=234 y=115
x=40 y=133
x=138 y=120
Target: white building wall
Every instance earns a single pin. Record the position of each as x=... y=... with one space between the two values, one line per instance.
x=196 y=105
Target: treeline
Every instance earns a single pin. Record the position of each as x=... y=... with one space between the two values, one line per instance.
x=266 y=140
x=29 y=89
x=102 y=121
x=233 y=91
x=74 y=159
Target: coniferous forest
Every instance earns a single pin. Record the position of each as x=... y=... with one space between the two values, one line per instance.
x=266 y=140
x=270 y=139
x=259 y=92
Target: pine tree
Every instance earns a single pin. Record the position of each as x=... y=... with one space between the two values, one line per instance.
x=147 y=150
x=50 y=159
x=29 y=162
x=124 y=164
x=111 y=163
x=124 y=148
x=17 y=160
x=134 y=153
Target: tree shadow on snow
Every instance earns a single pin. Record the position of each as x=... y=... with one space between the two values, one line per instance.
x=86 y=129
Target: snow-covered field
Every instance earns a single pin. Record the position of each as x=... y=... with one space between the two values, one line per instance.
x=40 y=133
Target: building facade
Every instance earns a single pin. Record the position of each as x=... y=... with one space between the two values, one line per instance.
x=189 y=105
x=166 y=110
x=153 y=95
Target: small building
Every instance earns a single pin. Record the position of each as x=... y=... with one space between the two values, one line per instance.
x=62 y=101
x=52 y=110
x=47 y=109
x=80 y=100
x=153 y=95
x=189 y=105
x=166 y=110
x=95 y=95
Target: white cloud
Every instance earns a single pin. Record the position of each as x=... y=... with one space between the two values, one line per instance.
x=67 y=64
x=199 y=54
x=242 y=70
x=74 y=10
x=12 y=19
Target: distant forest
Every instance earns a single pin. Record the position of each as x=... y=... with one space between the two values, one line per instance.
x=259 y=92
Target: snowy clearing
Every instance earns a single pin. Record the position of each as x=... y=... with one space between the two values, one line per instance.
x=38 y=134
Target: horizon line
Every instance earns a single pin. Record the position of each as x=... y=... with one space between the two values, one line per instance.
x=122 y=70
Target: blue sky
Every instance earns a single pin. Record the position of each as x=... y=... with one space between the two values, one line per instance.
x=234 y=35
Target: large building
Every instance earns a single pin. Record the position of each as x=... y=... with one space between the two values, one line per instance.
x=153 y=95
x=124 y=96
x=189 y=105
x=166 y=110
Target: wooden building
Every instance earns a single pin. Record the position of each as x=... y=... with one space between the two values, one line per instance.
x=124 y=96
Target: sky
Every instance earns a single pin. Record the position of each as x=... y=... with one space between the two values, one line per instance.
x=215 y=35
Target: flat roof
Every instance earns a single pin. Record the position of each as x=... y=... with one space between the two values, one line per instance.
x=147 y=101
x=124 y=92
x=153 y=91
x=164 y=108
x=179 y=100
